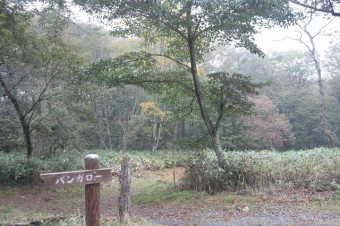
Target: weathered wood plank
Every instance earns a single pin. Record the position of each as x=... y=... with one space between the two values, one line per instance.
x=77 y=177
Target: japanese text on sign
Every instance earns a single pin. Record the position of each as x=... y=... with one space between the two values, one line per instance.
x=77 y=177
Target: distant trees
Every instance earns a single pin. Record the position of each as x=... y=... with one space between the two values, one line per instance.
x=269 y=128
x=311 y=47
x=332 y=66
x=293 y=91
x=150 y=99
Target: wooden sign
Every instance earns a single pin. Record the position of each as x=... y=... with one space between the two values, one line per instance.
x=91 y=177
x=77 y=177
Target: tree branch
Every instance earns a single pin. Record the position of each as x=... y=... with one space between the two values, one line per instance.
x=157 y=18
x=133 y=82
x=331 y=10
x=173 y=59
x=220 y=110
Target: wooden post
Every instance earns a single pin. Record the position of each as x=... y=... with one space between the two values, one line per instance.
x=92 y=194
x=124 y=200
x=91 y=177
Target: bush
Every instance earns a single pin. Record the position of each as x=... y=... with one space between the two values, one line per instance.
x=64 y=161
x=144 y=160
x=312 y=169
x=17 y=169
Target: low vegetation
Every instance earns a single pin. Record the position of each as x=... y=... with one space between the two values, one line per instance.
x=316 y=169
x=16 y=169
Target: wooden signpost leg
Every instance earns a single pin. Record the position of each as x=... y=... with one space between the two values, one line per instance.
x=92 y=193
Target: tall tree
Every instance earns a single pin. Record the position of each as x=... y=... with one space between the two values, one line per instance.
x=310 y=45
x=30 y=64
x=332 y=66
x=187 y=28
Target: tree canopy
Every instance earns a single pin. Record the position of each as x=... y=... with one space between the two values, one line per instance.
x=30 y=56
x=188 y=29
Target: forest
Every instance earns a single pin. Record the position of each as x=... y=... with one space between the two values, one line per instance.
x=168 y=81
x=52 y=93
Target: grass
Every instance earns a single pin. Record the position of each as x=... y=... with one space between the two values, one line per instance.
x=162 y=192
x=315 y=169
x=229 y=198
x=10 y=214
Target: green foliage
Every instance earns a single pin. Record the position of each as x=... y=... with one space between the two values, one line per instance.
x=311 y=169
x=232 y=92
x=63 y=161
x=187 y=31
x=209 y=21
x=32 y=54
x=145 y=160
x=16 y=169
x=161 y=192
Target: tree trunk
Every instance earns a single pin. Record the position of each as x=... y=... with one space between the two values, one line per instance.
x=22 y=117
x=108 y=128
x=219 y=151
x=326 y=127
x=27 y=133
x=157 y=127
x=212 y=130
x=124 y=199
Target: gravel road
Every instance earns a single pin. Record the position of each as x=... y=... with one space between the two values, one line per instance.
x=265 y=216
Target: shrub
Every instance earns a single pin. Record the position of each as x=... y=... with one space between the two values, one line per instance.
x=311 y=169
x=64 y=161
x=144 y=160
x=17 y=169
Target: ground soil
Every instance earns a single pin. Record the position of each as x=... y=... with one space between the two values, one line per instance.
x=275 y=207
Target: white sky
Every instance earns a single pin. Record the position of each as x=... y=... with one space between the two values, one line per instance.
x=276 y=39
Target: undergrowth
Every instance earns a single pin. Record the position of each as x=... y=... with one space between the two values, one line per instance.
x=16 y=169
x=316 y=169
